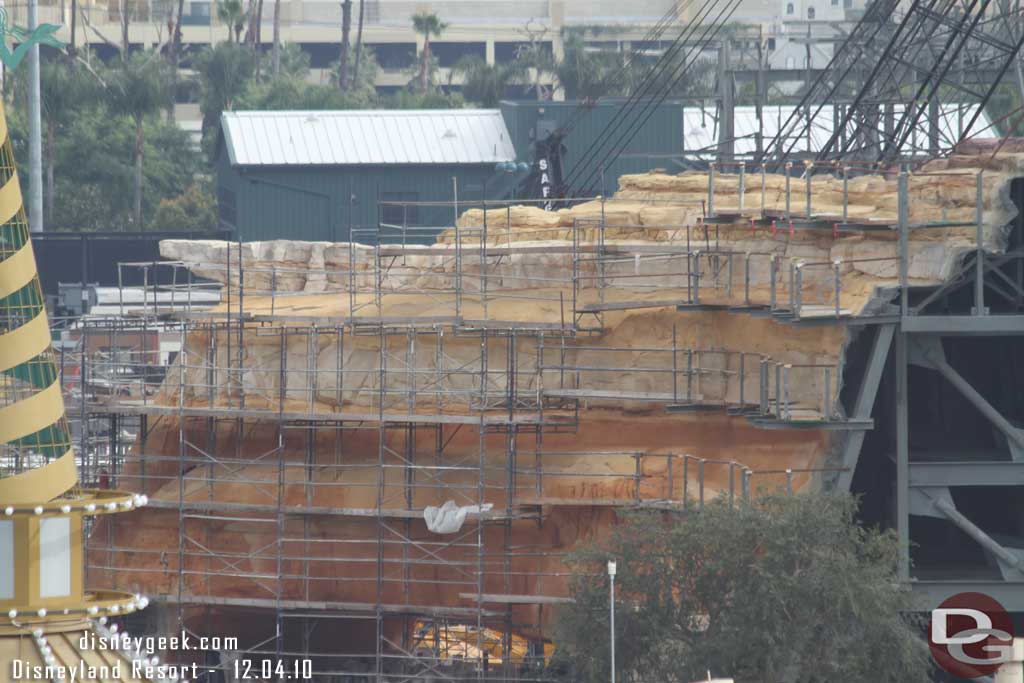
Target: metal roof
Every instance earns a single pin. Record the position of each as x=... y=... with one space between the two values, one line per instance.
x=366 y=136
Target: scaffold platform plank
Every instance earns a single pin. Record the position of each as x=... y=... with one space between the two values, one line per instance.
x=698 y=406
x=625 y=305
x=822 y=311
x=500 y=599
x=499 y=417
x=575 y=502
x=610 y=394
x=686 y=306
x=367 y=608
x=518 y=325
x=473 y=249
x=810 y=422
x=300 y=510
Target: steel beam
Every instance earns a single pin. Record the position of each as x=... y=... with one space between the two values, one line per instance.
x=964 y=325
x=928 y=351
x=865 y=403
x=902 y=459
x=966 y=473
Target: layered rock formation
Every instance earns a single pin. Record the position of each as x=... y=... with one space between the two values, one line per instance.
x=434 y=379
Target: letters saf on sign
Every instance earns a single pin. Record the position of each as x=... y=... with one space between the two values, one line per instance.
x=970 y=635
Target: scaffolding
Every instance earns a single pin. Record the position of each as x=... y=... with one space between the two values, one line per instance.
x=328 y=442
x=443 y=426
x=331 y=440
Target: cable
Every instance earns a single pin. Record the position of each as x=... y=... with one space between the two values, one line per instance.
x=606 y=82
x=628 y=133
x=648 y=82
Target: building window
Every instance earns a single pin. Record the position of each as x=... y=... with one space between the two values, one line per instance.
x=771 y=44
x=394 y=212
x=790 y=8
x=810 y=13
x=226 y=207
x=835 y=3
x=790 y=63
x=54 y=557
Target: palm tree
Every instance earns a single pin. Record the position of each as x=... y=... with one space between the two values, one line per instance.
x=224 y=71
x=138 y=89
x=65 y=91
x=587 y=73
x=426 y=24
x=346 y=43
x=486 y=83
x=359 y=43
x=276 y=49
x=174 y=58
x=536 y=57
x=234 y=15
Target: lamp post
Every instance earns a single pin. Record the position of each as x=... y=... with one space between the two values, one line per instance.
x=611 y=604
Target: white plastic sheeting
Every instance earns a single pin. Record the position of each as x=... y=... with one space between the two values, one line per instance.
x=700 y=127
x=449 y=518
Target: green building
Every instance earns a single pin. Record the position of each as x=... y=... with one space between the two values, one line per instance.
x=319 y=175
x=326 y=175
x=606 y=139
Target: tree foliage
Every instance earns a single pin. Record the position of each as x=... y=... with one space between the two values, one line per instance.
x=361 y=84
x=294 y=62
x=781 y=589
x=136 y=87
x=234 y=15
x=224 y=72
x=485 y=84
x=194 y=209
x=93 y=150
x=586 y=73
x=428 y=25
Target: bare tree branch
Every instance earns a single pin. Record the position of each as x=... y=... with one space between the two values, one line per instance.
x=99 y=34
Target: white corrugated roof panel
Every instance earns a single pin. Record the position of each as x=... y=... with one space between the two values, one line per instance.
x=367 y=136
x=700 y=131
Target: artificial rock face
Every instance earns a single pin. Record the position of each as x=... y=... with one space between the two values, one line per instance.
x=336 y=492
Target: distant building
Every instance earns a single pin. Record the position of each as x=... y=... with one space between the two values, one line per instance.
x=317 y=175
x=321 y=175
x=494 y=30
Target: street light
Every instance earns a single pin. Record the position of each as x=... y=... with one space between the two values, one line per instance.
x=611 y=602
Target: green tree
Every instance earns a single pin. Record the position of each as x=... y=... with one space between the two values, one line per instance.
x=587 y=73
x=359 y=42
x=66 y=90
x=194 y=209
x=539 y=61
x=234 y=15
x=485 y=83
x=93 y=170
x=346 y=44
x=361 y=83
x=288 y=93
x=136 y=88
x=224 y=73
x=275 y=50
x=426 y=24
x=403 y=99
x=293 y=62
x=779 y=589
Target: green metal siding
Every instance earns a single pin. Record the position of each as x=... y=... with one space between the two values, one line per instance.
x=324 y=202
x=661 y=135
